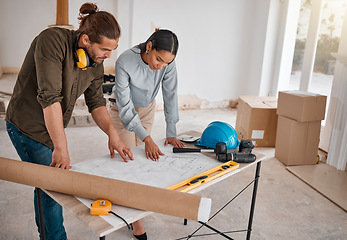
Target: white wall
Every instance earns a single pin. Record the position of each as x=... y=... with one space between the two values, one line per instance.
x=21 y=21
x=1 y=68
x=227 y=47
x=279 y=45
x=213 y=36
x=261 y=47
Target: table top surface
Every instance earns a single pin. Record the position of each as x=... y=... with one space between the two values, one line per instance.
x=169 y=170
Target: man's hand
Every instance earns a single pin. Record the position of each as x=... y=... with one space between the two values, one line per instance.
x=175 y=142
x=115 y=143
x=102 y=119
x=54 y=123
x=60 y=159
x=152 y=150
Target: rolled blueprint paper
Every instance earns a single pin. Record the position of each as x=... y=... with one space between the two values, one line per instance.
x=148 y=198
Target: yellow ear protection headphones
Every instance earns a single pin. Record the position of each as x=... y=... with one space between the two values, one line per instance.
x=82 y=58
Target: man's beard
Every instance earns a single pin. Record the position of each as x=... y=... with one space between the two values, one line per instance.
x=93 y=57
x=96 y=59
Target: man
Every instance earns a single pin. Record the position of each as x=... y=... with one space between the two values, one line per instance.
x=60 y=66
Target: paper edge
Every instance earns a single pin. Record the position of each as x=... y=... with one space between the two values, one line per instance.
x=204 y=209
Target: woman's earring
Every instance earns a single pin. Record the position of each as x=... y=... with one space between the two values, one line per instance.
x=146 y=51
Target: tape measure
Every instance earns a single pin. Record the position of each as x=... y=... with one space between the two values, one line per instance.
x=205 y=177
x=101 y=207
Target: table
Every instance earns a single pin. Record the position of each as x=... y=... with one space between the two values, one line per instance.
x=102 y=227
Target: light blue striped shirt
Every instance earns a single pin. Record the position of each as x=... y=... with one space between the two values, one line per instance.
x=136 y=85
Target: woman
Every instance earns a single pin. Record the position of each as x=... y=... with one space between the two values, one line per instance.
x=139 y=73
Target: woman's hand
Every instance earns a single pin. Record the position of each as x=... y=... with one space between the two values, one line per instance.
x=152 y=150
x=175 y=142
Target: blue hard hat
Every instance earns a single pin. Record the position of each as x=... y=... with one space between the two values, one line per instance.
x=217 y=132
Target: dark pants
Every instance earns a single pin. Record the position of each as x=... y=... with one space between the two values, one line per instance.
x=35 y=152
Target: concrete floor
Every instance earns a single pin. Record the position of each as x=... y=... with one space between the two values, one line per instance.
x=286 y=207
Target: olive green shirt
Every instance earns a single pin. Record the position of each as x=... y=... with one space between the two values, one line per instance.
x=50 y=74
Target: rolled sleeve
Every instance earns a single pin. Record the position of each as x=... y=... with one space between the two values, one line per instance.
x=49 y=55
x=47 y=98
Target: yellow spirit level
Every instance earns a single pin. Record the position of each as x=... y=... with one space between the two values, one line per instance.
x=205 y=177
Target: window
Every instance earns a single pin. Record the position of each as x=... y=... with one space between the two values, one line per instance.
x=328 y=40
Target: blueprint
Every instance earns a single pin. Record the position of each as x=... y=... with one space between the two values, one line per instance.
x=172 y=168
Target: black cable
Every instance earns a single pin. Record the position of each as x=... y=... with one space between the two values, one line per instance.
x=121 y=218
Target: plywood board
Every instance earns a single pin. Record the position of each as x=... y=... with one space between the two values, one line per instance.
x=326 y=179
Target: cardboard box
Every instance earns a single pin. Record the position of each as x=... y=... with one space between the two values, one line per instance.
x=301 y=106
x=297 y=142
x=257 y=120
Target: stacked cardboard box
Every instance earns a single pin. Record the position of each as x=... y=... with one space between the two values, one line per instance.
x=257 y=120
x=298 y=129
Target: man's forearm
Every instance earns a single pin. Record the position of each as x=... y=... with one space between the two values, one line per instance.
x=54 y=123
x=103 y=120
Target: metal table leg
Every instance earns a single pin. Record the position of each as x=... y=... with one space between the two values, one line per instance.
x=40 y=207
x=250 y=219
x=255 y=188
